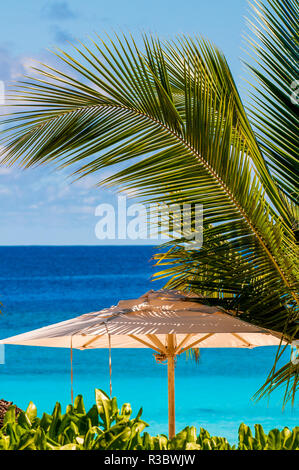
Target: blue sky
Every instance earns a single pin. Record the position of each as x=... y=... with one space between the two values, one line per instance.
x=40 y=206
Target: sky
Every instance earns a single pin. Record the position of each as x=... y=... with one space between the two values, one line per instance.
x=42 y=206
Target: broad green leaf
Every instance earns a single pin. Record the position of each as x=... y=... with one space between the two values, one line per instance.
x=10 y=415
x=31 y=412
x=103 y=403
x=79 y=405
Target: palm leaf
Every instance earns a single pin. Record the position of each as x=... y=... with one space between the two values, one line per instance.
x=274 y=42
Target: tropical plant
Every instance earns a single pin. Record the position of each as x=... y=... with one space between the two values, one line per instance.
x=170 y=114
x=105 y=427
x=274 y=41
x=274 y=114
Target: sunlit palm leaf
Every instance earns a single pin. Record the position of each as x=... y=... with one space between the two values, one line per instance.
x=274 y=41
x=172 y=113
x=275 y=44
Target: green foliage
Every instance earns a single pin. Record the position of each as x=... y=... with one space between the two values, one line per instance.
x=102 y=427
x=275 y=440
x=105 y=427
x=273 y=40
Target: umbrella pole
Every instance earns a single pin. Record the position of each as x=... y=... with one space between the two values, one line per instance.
x=171 y=400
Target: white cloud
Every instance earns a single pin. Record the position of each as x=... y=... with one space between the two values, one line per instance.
x=23 y=67
x=5 y=170
x=5 y=191
x=89 y=200
x=72 y=209
x=87 y=182
x=81 y=209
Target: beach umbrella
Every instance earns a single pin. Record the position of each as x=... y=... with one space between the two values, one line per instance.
x=169 y=322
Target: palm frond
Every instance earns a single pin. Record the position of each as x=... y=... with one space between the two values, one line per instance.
x=274 y=42
x=287 y=377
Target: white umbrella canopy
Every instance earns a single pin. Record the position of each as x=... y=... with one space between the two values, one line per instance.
x=169 y=322
x=139 y=323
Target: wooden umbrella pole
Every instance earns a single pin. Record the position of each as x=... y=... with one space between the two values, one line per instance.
x=171 y=395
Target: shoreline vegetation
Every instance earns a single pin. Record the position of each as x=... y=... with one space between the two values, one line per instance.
x=165 y=120
x=4 y=407
x=106 y=427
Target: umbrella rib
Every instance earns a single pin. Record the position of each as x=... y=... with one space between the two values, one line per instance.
x=148 y=345
x=154 y=339
x=195 y=343
x=241 y=339
x=91 y=341
x=184 y=341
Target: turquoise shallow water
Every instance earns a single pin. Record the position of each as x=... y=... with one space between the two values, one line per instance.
x=43 y=285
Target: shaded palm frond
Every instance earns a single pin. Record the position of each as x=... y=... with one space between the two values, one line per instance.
x=287 y=377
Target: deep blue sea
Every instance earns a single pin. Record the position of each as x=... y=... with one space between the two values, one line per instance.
x=43 y=285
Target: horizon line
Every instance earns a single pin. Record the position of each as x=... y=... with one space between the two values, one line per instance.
x=75 y=245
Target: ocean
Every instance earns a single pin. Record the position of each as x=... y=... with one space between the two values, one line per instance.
x=41 y=285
